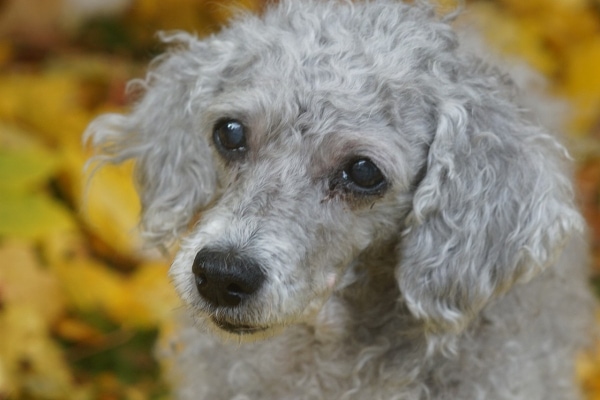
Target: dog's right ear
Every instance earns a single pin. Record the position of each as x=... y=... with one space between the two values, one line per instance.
x=494 y=208
x=174 y=174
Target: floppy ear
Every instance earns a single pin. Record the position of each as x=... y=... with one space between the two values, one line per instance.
x=494 y=208
x=173 y=164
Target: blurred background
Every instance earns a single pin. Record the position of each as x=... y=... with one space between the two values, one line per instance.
x=83 y=304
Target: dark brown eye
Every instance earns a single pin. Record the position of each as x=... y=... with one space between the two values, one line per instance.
x=362 y=174
x=230 y=136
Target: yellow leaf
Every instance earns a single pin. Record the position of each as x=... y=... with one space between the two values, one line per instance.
x=91 y=285
x=537 y=7
x=59 y=101
x=142 y=299
x=583 y=63
x=15 y=138
x=6 y=53
x=24 y=281
x=517 y=37
x=33 y=362
x=581 y=82
x=7 y=387
x=588 y=373
x=111 y=209
x=152 y=297
x=78 y=331
x=47 y=102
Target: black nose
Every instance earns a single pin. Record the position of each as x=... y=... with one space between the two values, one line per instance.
x=225 y=278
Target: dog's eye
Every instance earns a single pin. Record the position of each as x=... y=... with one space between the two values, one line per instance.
x=364 y=175
x=230 y=136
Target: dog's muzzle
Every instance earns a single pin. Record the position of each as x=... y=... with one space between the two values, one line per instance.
x=226 y=279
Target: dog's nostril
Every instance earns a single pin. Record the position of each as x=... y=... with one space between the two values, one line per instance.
x=231 y=299
x=201 y=280
x=235 y=289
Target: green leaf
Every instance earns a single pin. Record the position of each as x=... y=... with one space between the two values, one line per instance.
x=32 y=216
x=24 y=170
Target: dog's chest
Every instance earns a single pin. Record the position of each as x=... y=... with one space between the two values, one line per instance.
x=296 y=365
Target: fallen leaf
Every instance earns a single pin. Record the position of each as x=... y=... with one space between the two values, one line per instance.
x=34 y=362
x=31 y=363
x=152 y=298
x=25 y=170
x=522 y=38
x=32 y=216
x=581 y=82
x=24 y=281
x=110 y=208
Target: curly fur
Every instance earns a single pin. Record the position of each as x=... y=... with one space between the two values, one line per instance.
x=450 y=284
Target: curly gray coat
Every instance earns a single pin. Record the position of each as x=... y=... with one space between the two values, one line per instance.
x=363 y=207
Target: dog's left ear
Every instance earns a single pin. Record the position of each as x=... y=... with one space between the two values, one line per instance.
x=494 y=207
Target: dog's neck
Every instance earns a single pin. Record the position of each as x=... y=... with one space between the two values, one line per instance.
x=371 y=302
x=367 y=319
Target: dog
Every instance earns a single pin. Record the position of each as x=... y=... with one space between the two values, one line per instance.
x=363 y=209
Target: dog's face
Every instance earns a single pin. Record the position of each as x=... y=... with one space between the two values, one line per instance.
x=283 y=149
x=298 y=198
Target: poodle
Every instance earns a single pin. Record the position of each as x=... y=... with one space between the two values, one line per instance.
x=362 y=208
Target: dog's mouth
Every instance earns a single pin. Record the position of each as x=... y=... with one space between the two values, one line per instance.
x=238 y=329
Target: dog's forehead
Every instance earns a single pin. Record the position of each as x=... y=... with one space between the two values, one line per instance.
x=326 y=68
x=317 y=45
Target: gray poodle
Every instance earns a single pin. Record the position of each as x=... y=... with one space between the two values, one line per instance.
x=363 y=210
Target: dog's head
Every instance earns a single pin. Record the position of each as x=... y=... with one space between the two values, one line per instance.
x=307 y=136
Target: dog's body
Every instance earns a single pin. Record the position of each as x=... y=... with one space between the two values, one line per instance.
x=380 y=217
x=521 y=347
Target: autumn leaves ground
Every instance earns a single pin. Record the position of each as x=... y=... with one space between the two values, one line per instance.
x=81 y=300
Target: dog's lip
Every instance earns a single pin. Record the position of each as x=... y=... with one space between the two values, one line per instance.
x=238 y=329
